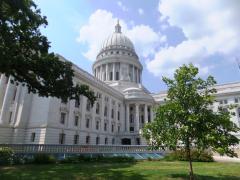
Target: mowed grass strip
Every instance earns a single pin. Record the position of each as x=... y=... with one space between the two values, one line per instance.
x=139 y=170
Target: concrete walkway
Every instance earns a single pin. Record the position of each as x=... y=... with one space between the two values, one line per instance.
x=226 y=159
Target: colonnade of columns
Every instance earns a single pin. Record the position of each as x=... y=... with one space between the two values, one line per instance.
x=133 y=114
x=113 y=72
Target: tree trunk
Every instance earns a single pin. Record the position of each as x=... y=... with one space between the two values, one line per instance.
x=188 y=149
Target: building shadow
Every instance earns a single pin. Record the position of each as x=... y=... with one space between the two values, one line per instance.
x=84 y=170
x=205 y=177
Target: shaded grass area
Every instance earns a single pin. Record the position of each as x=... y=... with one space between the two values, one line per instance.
x=139 y=170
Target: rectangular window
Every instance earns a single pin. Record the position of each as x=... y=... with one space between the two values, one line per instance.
x=112 y=128
x=105 y=126
x=61 y=138
x=10 y=117
x=236 y=100
x=118 y=128
x=97 y=140
x=112 y=115
x=7 y=78
x=117 y=76
x=87 y=123
x=142 y=119
x=62 y=118
x=87 y=139
x=88 y=106
x=118 y=115
x=131 y=129
x=105 y=111
x=33 y=137
x=97 y=125
x=14 y=94
x=76 y=121
x=63 y=102
x=131 y=118
x=77 y=103
x=111 y=76
x=106 y=140
x=76 y=139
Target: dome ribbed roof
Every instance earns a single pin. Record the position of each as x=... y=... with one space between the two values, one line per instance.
x=117 y=39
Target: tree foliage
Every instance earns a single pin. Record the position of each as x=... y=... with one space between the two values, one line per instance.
x=24 y=53
x=186 y=119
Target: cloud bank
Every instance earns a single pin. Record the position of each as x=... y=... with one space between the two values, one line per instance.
x=211 y=28
x=101 y=24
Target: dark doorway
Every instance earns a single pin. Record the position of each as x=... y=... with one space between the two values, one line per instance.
x=126 y=141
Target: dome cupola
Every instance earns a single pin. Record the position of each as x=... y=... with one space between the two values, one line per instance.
x=117 y=59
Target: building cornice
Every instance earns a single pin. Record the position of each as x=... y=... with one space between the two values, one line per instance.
x=91 y=80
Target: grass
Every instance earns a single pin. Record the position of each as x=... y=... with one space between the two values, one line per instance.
x=114 y=171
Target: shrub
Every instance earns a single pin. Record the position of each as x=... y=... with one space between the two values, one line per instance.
x=6 y=156
x=43 y=159
x=196 y=155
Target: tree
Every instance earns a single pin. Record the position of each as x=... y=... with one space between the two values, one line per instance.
x=186 y=120
x=24 y=53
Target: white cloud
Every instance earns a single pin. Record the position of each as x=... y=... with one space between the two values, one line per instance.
x=101 y=24
x=211 y=27
x=140 y=11
x=123 y=7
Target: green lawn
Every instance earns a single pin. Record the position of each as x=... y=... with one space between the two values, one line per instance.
x=113 y=171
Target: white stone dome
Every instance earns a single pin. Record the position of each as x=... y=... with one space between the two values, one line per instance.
x=117 y=40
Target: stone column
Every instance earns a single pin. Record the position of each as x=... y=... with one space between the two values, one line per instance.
x=133 y=74
x=6 y=103
x=107 y=72
x=140 y=76
x=151 y=113
x=109 y=116
x=16 y=102
x=145 y=114
x=137 y=75
x=83 y=113
x=114 y=71
x=137 y=117
x=127 y=118
x=101 y=72
x=2 y=88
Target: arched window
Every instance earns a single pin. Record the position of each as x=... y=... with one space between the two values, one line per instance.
x=105 y=111
x=97 y=108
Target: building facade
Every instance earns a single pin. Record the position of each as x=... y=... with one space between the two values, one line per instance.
x=122 y=108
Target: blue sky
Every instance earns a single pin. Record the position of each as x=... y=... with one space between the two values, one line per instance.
x=166 y=34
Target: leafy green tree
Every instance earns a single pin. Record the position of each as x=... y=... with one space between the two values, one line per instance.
x=24 y=53
x=186 y=120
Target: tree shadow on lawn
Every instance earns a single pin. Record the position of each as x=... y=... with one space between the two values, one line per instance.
x=83 y=170
x=205 y=177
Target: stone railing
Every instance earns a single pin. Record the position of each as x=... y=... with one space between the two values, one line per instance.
x=78 y=149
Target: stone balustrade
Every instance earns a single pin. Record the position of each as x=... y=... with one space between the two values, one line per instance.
x=78 y=149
